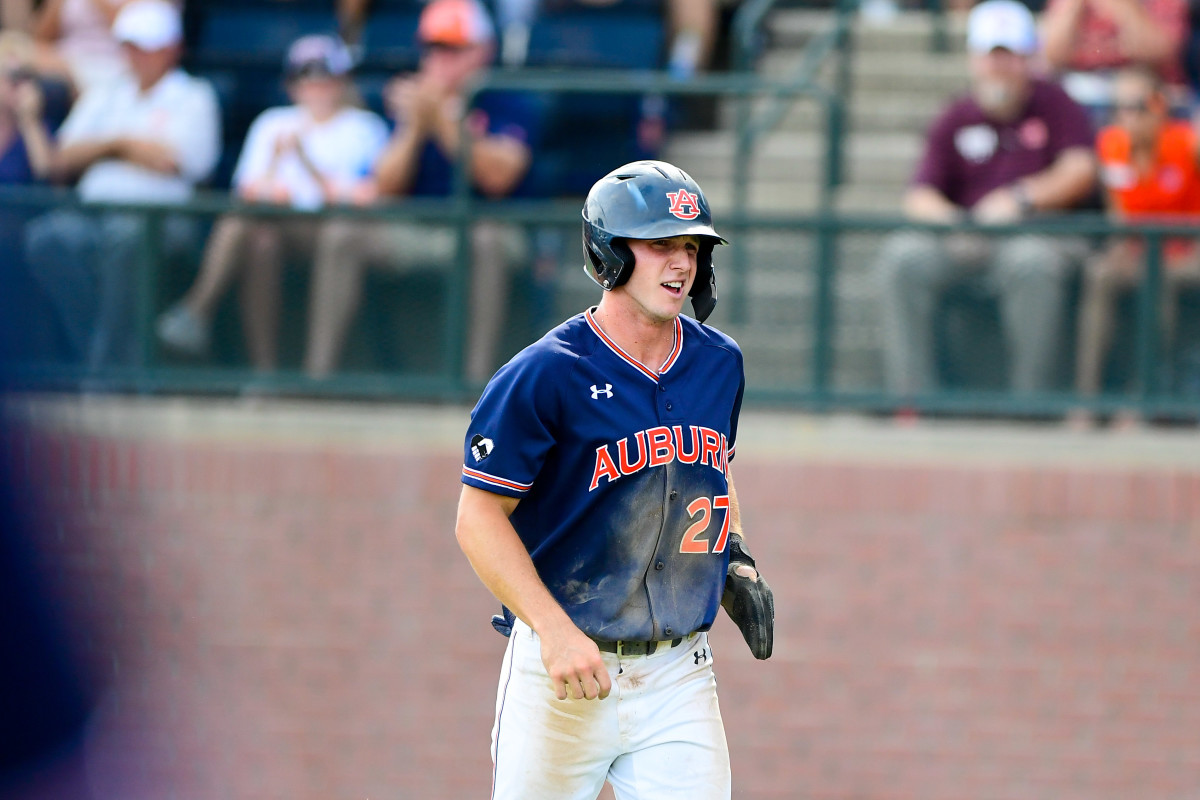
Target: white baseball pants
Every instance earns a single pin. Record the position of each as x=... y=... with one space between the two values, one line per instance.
x=657 y=736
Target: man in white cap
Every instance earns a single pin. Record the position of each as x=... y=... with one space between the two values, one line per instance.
x=148 y=138
x=1014 y=147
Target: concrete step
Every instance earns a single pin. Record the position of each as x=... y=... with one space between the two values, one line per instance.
x=911 y=31
x=764 y=198
x=870 y=198
x=910 y=73
x=783 y=355
x=876 y=157
x=793 y=27
x=867 y=111
x=801 y=197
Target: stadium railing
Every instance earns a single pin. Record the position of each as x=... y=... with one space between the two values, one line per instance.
x=1148 y=392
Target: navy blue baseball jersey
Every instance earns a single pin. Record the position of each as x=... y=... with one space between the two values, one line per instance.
x=621 y=473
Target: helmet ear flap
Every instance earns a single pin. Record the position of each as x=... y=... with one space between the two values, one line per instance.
x=611 y=259
x=704 y=288
x=623 y=252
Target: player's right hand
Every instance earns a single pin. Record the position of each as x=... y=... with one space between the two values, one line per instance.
x=574 y=665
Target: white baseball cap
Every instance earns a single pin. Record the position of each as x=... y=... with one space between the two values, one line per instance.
x=318 y=54
x=148 y=24
x=1002 y=23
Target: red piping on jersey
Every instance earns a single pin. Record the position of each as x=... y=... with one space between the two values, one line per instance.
x=675 y=351
x=672 y=357
x=492 y=479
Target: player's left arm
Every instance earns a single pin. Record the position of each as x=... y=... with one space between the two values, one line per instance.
x=747 y=599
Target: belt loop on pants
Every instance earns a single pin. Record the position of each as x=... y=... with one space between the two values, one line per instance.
x=623 y=648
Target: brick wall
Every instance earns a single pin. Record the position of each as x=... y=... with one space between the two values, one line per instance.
x=288 y=616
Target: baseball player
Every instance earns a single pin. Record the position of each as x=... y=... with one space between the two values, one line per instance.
x=598 y=507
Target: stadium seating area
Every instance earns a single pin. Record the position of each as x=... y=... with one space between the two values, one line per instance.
x=239 y=45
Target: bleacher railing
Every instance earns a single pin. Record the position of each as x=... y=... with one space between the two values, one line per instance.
x=1147 y=394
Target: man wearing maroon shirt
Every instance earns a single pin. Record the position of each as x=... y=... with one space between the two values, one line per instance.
x=1015 y=146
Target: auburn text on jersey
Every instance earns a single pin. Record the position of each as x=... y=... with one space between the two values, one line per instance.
x=657 y=446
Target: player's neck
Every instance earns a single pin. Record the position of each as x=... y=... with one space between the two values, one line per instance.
x=648 y=340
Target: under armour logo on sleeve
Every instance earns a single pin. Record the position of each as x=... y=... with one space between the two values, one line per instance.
x=606 y=391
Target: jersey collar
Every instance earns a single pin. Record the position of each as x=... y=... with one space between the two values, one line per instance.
x=653 y=375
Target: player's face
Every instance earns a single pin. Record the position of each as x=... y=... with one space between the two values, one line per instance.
x=663 y=272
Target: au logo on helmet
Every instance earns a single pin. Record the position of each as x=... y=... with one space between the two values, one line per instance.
x=684 y=204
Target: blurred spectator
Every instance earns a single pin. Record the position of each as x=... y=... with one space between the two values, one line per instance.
x=692 y=25
x=1150 y=166
x=1086 y=40
x=25 y=145
x=1015 y=146
x=147 y=138
x=46 y=692
x=16 y=15
x=26 y=151
x=76 y=42
x=351 y=15
x=457 y=41
x=319 y=150
x=693 y=33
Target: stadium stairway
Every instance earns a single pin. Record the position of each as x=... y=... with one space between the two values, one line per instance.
x=898 y=83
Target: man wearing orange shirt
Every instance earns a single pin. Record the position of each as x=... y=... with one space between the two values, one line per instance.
x=1150 y=166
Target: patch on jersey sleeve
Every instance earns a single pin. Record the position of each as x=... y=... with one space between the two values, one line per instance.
x=481 y=447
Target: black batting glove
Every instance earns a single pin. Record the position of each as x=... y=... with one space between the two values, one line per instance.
x=749 y=601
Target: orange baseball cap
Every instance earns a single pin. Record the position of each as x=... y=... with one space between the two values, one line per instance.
x=455 y=23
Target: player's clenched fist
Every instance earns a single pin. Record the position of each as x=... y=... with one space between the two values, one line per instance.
x=575 y=667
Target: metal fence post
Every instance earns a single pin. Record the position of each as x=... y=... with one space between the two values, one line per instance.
x=823 y=312
x=939 y=41
x=1147 y=318
x=146 y=271
x=460 y=275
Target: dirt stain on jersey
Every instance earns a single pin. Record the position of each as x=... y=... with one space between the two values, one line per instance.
x=580 y=592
